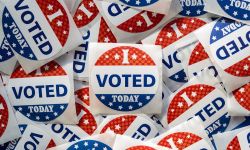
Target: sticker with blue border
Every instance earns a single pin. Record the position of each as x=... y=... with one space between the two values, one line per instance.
x=192 y=8
x=89 y=144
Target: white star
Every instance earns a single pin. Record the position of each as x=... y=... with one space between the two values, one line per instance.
x=47 y=117
x=217 y=28
x=196 y=53
x=28 y=115
x=106 y=56
x=172 y=110
x=246 y=67
x=242 y=99
x=245 y=16
x=140 y=104
x=37 y=118
x=96 y=144
x=235 y=13
x=180 y=141
x=1 y=57
x=169 y=34
x=117 y=56
x=76 y=146
x=188 y=136
x=8 y=36
x=59 y=23
x=105 y=148
x=223 y=21
x=110 y=104
x=46 y=67
x=6 y=25
x=21 y=128
x=137 y=2
x=6 y=15
x=20 y=109
x=55 y=114
x=64 y=32
x=86 y=121
x=31 y=55
x=86 y=144
x=139 y=23
x=117 y=127
x=79 y=17
x=106 y=39
x=226 y=7
x=9 y=53
x=242 y=90
x=123 y=119
x=148 y=97
x=50 y=7
x=144 y=56
x=148 y=1
x=192 y=21
x=62 y=107
x=201 y=88
x=176 y=76
x=180 y=104
x=13 y=45
x=102 y=97
x=214 y=38
x=85 y=97
x=184 y=26
x=21 y=52
x=134 y=56
x=130 y=107
x=130 y=28
x=120 y=107
x=154 y=14
x=3 y=125
x=188 y=12
x=194 y=94
x=91 y=4
x=198 y=12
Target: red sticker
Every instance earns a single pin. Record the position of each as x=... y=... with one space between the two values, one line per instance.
x=140 y=148
x=87 y=121
x=234 y=144
x=83 y=95
x=242 y=95
x=180 y=105
x=240 y=69
x=119 y=125
x=85 y=13
x=198 y=54
x=56 y=17
x=4 y=115
x=105 y=34
x=177 y=29
x=180 y=140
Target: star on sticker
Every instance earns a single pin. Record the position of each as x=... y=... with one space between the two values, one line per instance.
x=196 y=53
x=148 y=1
x=235 y=13
x=134 y=56
x=47 y=117
x=0 y=116
x=37 y=118
x=237 y=72
x=102 y=97
x=64 y=32
x=31 y=55
x=110 y=104
x=59 y=23
x=188 y=136
x=106 y=39
x=86 y=121
x=130 y=107
x=76 y=146
x=46 y=68
x=147 y=97
x=140 y=104
x=62 y=107
x=246 y=67
x=106 y=56
x=154 y=14
x=217 y=28
x=79 y=17
x=172 y=110
x=85 y=144
x=127 y=1
x=226 y=7
x=139 y=23
x=3 y=125
x=13 y=45
x=245 y=16
x=192 y=21
x=6 y=15
x=188 y=12
x=194 y=94
x=105 y=148
x=55 y=114
x=201 y=88
x=169 y=34
x=138 y=2
x=91 y=4
x=8 y=53
x=85 y=97
x=144 y=56
x=6 y=25
x=20 y=109
x=198 y=12
x=21 y=52
x=130 y=28
x=180 y=141
x=214 y=38
x=50 y=7
x=180 y=104
x=96 y=145
x=184 y=26
x=117 y=127
x=28 y=115
x=117 y=56
x=242 y=90
x=176 y=76
x=8 y=36
x=120 y=107
x=123 y=119
x=242 y=99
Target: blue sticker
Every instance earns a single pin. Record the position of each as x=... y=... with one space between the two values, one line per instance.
x=42 y=113
x=238 y=9
x=15 y=37
x=89 y=145
x=224 y=27
x=139 y=3
x=192 y=8
x=5 y=51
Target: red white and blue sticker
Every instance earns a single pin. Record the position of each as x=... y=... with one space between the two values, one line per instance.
x=25 y=26
x=242 y=96
x=135 y=126
x=4 y=115
x=119 y=79
x=229 y=42
x=173 y=32
x=89 y=144
x=240 y=141
x=201 y=100
x=140 y=147
x=139 y=3
x=85 y=13
x=192 y=8
x=41 y=102
x=183 y=140
x=5 y=51
x=238 y=9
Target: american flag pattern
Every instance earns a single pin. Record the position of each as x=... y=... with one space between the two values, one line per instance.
x=242 y=95
x=86 y=12
x=4 y=115
x=60 y=25
x=87 y=122
x=178 y=105
x=185 y=26
x=138 y=23
x=181 y=140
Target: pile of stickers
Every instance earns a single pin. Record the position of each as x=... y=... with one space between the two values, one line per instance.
x=125 y=74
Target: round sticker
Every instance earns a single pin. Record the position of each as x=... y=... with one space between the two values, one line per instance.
x=242 y=96
x=121 y=81
x=238 y=9
x=135 y=126
x=192 y=8
x=234 y=144
x=179 y=140
x=140 y=148
x=105 y=34
x=85 y=13
x=198 y=55
x=83 y=95
x=139 y=3
x=89 y=144
x=204 y=101
x=87 y=121
x=57 y=18
x=237 y=66
x=42 y=95
x=4 y=115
